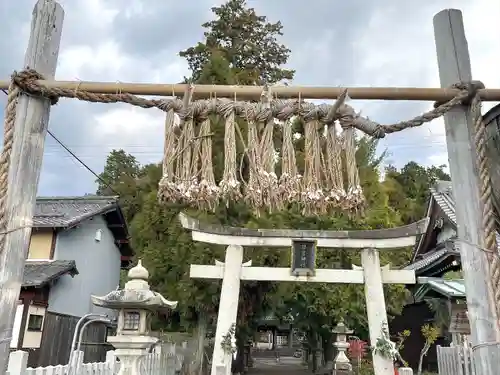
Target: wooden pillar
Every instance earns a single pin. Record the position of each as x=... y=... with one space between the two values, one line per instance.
x=375 y=307
x=31 y=124
x=228 y=306
x=454 y=67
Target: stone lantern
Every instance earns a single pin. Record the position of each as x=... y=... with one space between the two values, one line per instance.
x=135 y=303
x=341 y=362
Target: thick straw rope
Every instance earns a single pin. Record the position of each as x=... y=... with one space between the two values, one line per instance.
x=8 y=141
x=486 y=197
x=25 y=82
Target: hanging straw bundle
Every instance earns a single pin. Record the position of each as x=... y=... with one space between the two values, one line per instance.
x=229 y=185
x=332 y=167
x=267 y=175
x=290 y=180
x=253 y=190
x=167 y=190
x=208 y=191
x=313 y=197
x=188 y=172
x=187 y=181
x=355 y=196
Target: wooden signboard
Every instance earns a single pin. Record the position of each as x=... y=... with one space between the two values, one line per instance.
x=303 y=258
x=459 y=320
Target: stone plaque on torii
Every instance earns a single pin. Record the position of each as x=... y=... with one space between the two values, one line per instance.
x=370 y=273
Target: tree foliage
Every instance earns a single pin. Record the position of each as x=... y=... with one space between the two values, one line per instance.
x=408 y=188
x=247 y=41
x=241 y=47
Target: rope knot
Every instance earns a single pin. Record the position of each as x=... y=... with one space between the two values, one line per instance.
x=378 y=132
x=468 y=92
x=26 y=81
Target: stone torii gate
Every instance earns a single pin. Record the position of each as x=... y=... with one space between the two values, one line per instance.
x=371 y=274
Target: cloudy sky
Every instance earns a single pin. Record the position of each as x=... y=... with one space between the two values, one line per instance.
x=337 y=43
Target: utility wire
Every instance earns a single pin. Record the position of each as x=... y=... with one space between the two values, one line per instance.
x=78 y=159
x=82 y=162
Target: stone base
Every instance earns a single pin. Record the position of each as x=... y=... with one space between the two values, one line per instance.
x=131 y=342
x=342 y=372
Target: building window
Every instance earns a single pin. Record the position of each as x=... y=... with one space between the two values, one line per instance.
x=131 y=321
x=35 y=322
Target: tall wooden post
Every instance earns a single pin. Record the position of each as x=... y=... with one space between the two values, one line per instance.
x=31 y=124
x=454 y=67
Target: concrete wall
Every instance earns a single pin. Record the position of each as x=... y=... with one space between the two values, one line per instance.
x=98 y=263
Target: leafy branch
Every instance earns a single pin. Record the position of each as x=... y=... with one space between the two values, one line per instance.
x=384 y=346
x=228 y=343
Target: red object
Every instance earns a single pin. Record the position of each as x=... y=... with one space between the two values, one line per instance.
x=357 y=348
x=396 y=372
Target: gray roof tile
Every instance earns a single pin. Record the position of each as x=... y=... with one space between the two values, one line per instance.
x=432 y=257
x=443 y=195
x=39 y=273
x=57 y=212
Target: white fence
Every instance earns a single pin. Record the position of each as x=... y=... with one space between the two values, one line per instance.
x=455 y=360
x=18 y=361
x=163 y=363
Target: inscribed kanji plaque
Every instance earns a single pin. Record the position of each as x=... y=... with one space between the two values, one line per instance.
x=303 y=258
x=459 y=322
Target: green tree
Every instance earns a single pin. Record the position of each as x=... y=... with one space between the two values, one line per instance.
x=247 y=41
x=120 y=177
x=408 y=188
x=118 y=165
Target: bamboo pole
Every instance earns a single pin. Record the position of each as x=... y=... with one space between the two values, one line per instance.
x=254 y=92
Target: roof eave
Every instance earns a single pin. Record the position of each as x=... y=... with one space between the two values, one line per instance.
x=430 y=228
x=72 y=271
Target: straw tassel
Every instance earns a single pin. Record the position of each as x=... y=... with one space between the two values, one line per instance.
x=313 y=197
x=332 y=166
x=208 y=191
x=253 y=189
x=167 y=190
x=290 y=179
x=229 y=185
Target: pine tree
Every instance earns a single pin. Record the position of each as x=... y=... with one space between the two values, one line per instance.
x=247 y=41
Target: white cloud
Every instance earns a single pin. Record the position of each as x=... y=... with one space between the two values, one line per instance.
x=397 y=49
x=138 y=131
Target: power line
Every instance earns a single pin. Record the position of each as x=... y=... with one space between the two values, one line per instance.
x=78 y=159
x=82 y=162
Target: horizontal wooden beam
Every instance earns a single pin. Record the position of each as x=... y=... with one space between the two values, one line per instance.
x=390 y=238
x=254 y=92
x=284 y=274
